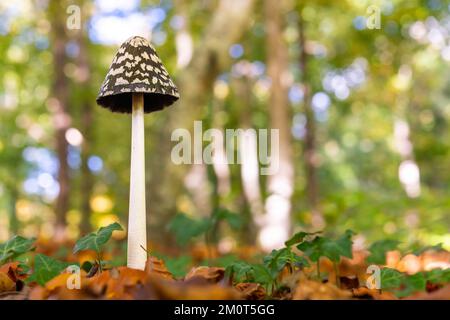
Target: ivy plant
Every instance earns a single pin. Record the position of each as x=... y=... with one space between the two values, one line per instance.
x=95 y=241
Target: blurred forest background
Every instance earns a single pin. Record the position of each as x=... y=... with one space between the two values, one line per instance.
x=363 y=116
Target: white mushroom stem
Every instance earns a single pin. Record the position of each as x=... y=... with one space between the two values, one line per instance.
x=137 y=235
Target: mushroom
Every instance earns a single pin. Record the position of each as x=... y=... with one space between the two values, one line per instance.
x=137 y=83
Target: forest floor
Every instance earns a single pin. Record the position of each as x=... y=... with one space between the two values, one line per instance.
x=317 y=268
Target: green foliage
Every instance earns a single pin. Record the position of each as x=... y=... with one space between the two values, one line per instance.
x=96 y=240
x=436 y=247
x=411 y=284
x=277 y=260
x=438 y=276
x=357 y=176
x=186 y=228
x=14 y=247
x=299 y=237
x=45 y=269
x=378 y=250
x=326 y=247
x=390 y=278
x=268 y=272
x=264 y=276
x=234 y=220
x=403 y=285
x=177 y=266
x=239 y=271
x=242 y=271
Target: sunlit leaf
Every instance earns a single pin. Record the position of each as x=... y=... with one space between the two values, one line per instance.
x=45 y=269
x=390 y=278
x=14 y=247
x=95 y=240
x=299 y=237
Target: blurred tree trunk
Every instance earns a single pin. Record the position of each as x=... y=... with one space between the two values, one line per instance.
x=249 y=168
x=277 y=224
x=87 y=118
x=59 y=107
x=228 y=22
x=310 y=155
x=220 y=166
x=210 y=58
x=13 y=221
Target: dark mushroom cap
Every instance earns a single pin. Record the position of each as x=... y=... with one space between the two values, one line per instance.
x=137 y=68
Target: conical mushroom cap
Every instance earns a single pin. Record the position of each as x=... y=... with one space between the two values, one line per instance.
x=137 y=68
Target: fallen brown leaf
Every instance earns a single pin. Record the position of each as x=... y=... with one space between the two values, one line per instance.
x=120 y=287
x=350 y=282
x=194 y=289
x=366 y=293
x=441 y=294
x=313 y=290
x=211 y=274
x=251 y=291
x=155 y=266
x=6 y=284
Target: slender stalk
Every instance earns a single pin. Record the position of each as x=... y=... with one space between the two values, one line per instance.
x=318 y=269
x=137 y=233
x=99 y=261
x=336 y=272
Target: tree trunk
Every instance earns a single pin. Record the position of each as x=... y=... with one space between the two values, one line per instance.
x=249 y=169
x=310 y=155
x=13 y=221
x=58 y=105
x=277 y=225
x=87 y=118
x=210 y=58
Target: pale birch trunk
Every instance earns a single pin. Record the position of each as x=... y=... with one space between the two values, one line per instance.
x=277 y=224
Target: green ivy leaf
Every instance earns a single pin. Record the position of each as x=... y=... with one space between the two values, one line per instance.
x=297 y=238
x=391 y=278
x=233 y=219
x=411 y=284
x=239 y=271
x=312 y=249
x=45 y=269
x=438 y=276
x=185 y=228
x=342 y=247
x=378 y=250
x=15 y=247
x=325 y=247
x=177 y=266
x=278 y=259
x=95 y=240
x=262 y=275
